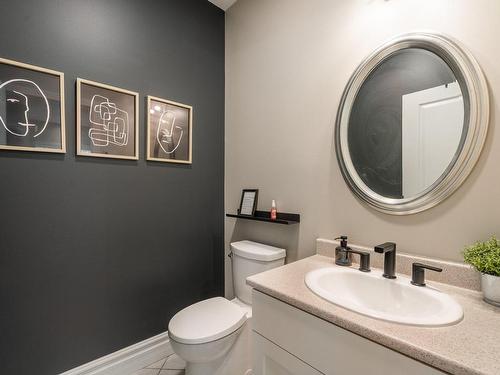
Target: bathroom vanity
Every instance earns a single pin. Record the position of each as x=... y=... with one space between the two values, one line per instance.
x=298 y=333
x=291 y=341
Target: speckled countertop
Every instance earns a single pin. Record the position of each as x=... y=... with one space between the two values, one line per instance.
x=469 y=347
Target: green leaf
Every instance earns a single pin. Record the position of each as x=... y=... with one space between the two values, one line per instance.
x=484 y=256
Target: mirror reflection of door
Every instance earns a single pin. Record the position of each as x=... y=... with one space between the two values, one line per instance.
x=406 y=124
x=432 y=125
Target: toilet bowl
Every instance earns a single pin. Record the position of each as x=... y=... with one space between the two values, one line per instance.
x=203 y=333
x=213 y=336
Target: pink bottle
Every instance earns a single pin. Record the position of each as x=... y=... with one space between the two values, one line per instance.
x=273 y=210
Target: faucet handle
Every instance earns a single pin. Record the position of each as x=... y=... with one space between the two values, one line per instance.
x=364 y=260
x=418 y=273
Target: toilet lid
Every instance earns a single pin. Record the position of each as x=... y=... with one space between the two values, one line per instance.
x=206 y=321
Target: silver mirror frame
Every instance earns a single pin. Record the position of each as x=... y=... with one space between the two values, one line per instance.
x=476 y=99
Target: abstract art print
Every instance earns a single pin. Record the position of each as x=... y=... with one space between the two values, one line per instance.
x=169 y=131
x=107 y=121
x=31 y=108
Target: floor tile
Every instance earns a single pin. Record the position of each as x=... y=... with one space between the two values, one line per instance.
x=171 y=372
x=174 y=362
x=169 y=352
x=158 y=364
x=146 y=371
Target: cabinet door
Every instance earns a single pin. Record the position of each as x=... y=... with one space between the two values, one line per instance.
x=270 y=359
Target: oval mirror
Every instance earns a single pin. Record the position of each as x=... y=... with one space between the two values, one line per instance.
x=411 y=123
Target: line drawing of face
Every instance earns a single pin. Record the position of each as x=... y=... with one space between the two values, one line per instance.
x=165 y=132
x=17 y=104
x=110 y=123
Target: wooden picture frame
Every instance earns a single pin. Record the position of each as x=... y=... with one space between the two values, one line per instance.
x=106 y=128
x=33 y=115
x=248 y=202
x=169 y=144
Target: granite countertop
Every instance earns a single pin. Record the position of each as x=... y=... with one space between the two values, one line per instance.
x=469 y=347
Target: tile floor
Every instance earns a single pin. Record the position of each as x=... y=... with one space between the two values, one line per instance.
x=171 y=365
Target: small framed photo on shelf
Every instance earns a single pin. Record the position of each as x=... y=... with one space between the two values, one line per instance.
x=248 y=203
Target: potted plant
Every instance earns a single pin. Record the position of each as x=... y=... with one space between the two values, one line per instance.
x=485 y=257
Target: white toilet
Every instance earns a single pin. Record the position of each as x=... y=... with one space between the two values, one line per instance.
x=214 y=336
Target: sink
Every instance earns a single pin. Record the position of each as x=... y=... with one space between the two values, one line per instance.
x=393 y=300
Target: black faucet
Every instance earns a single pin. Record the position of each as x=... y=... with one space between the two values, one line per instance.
x=389 y=249
x=418 y=273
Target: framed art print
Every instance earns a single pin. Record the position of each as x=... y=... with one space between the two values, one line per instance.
x=31 y=108
x=169 y=135
x=107 y=121
x=248 y=203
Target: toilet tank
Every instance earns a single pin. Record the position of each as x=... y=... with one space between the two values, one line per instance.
x=250 y=258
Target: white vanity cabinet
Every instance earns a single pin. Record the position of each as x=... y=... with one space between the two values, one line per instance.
x=289 y=341
x=270 y=359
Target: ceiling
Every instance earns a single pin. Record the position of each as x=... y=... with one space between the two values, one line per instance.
x=223 y=4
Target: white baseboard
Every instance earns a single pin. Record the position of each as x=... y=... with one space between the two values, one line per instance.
x=128 y=360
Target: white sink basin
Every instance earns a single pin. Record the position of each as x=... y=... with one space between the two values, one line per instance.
x=393 y=300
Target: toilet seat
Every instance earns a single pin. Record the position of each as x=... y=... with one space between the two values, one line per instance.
x=206 y=321
x=245 y=307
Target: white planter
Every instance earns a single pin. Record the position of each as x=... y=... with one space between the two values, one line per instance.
x=491 y=289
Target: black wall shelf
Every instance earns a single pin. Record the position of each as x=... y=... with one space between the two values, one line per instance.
x=281 y=217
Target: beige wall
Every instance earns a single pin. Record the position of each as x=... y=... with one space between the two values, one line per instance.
x=287 y=62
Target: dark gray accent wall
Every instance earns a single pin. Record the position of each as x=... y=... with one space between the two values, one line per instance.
x=98 y=254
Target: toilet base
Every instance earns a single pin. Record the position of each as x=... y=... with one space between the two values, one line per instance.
x=238 y=361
